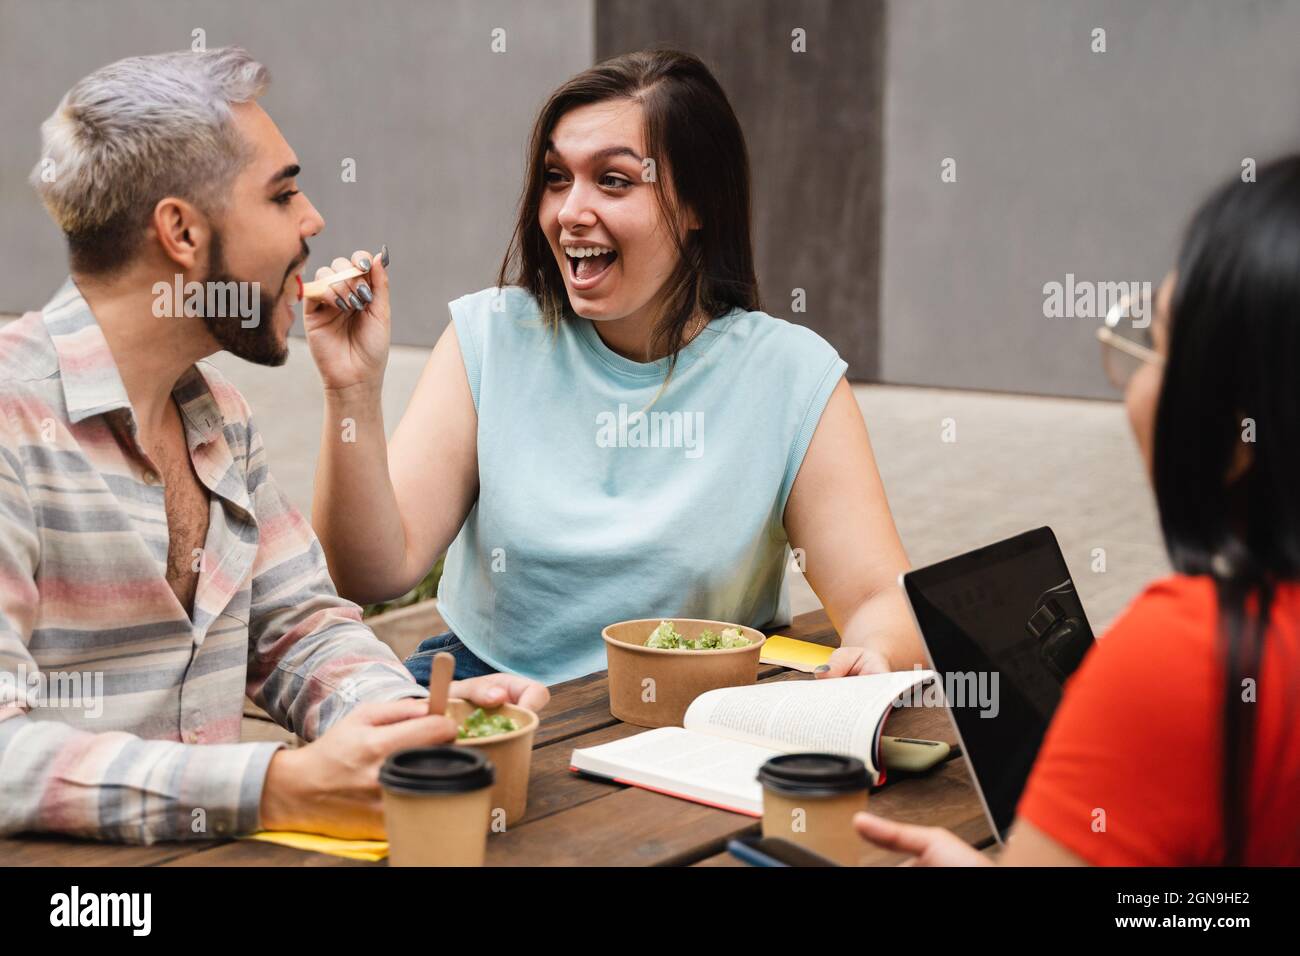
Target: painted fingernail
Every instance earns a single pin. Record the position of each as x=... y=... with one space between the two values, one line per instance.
x=383 y=255
x=363 y=290
x=822 y=669
x=364 y=263
x=338 y=300
x=355 y=302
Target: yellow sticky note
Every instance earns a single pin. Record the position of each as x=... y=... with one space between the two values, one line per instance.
x=371 y=850
x=797 y=655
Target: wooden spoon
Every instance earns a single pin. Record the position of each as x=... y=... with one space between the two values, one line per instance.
x=440 y=682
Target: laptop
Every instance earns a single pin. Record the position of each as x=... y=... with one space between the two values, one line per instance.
x=1003 y=628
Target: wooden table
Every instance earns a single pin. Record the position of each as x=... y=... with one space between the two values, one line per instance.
x=572 y=821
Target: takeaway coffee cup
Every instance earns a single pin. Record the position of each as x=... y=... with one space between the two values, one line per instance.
x=810 y=799
x=437 y=802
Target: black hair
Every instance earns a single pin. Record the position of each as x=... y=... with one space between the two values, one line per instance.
x=1226 y=460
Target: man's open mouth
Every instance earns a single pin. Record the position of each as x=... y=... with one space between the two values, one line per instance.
x=588 y=263
x=293 y=275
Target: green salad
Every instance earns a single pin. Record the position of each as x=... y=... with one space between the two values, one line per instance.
x=482 y=724
x=667 y=637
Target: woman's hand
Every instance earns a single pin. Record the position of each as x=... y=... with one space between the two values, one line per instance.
x=493 y=690
x=929 y=846
x=349 y=328
x=851 y=660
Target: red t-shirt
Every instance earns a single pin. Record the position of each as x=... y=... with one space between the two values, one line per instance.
x=1130 y=770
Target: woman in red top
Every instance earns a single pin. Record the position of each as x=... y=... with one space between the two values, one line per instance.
x=1177 y=742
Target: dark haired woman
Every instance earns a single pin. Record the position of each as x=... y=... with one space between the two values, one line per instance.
x=1178 y=739
x=618 y=432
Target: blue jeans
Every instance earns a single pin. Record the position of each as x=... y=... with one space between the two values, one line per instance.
x=468 y=663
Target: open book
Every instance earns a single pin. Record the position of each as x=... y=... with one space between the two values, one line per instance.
x=729 y=733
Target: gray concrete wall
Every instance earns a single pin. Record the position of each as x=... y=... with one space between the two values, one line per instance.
x=1068 y=161
x=409 y=89
x=812 y=123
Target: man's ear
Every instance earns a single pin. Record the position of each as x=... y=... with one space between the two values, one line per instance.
x=184 y=232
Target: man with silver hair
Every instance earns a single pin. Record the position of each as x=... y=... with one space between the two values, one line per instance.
x=143 y=540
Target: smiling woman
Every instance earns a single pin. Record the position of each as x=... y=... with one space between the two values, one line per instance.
x=529 y=445
x=633 y=157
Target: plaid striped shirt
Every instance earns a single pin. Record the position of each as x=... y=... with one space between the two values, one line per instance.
x=119 y=713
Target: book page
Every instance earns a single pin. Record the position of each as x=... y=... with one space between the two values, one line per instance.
x=835 y=715
x=700 y=767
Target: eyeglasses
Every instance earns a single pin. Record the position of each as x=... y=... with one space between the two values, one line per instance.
x=1125 y=346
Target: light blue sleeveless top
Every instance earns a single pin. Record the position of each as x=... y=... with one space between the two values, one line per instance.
x=589 y=513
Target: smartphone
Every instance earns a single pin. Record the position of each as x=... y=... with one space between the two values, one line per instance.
x=773 y=851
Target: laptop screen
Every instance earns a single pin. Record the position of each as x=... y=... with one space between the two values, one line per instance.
x=1004 y=628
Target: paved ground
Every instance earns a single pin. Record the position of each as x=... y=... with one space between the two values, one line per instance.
x=1016 y=462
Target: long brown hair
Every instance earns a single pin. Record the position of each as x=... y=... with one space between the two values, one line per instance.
x=694 y=137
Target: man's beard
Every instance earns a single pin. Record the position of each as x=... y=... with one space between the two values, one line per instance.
x=258 y=344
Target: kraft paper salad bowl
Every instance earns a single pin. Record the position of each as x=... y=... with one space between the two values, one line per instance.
x=511 y=753
x=653 y=686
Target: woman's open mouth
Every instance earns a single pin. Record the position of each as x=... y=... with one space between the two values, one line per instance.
x=588 y=264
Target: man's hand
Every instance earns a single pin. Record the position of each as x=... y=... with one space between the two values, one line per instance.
x=349 y=328
x=493 y=690
x=929 y=846
x=332 y=784
x=851 y=660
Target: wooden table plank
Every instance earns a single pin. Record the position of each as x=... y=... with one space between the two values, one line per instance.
x=635 y=827
x=552 y=786
x=629 y=827
x=583 y=721
x=621 y=829
x=944 y=797
x=814 y=627
x=45 y=849
x=576 y=707
x=258 y=853
x=573 y=820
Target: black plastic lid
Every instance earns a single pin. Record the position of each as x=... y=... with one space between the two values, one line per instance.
x=814 y=775
x=436 y=770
